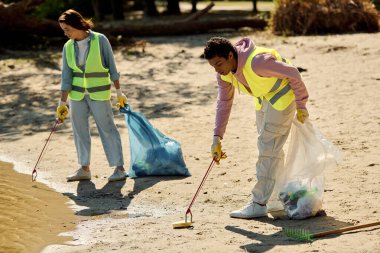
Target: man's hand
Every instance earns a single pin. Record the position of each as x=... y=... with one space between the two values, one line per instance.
x=62 y=111
x=216 y=149
x=121 y=98
x=302 y=115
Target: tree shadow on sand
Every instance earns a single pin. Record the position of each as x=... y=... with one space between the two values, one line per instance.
x=109 y=197
x=266 y=242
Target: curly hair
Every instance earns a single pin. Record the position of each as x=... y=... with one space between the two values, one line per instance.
x=218 y=46
x=75 y=19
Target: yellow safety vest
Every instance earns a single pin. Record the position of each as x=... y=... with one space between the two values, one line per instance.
x=95 y=78
x=276 y=91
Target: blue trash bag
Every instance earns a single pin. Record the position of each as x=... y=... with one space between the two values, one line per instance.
x=152 y=153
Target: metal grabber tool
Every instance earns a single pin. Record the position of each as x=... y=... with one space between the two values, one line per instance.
x=189 y=220
x=34 y=173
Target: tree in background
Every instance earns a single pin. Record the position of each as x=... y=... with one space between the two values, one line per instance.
x=117 y=9
x=101 y=7
x=377 y=4
x=150 y=8
x=193 y=6
x=254 y=2
x=173 y=7
x=51 y=9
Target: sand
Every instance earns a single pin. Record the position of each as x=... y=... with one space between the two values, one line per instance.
x=32 y=215
x=176 y=90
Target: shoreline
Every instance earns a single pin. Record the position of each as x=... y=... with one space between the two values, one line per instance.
x=33 y=216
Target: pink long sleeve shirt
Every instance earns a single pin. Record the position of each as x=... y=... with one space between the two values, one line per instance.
x=265 y=65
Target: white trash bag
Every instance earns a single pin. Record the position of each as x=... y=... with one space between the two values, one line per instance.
x=301 y=183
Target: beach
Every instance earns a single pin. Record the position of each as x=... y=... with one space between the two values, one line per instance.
x=176 y=90
x=32 y=215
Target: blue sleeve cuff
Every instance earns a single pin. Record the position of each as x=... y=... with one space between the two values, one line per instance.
x=114 y=76
x=65 y=87
x=67 y=74
x=108 y=59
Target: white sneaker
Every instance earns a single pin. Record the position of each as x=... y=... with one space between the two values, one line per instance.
x=252 y=210
x=79 y=175
x=117 y=175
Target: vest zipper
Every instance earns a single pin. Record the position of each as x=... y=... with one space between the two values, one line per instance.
x=85 y=86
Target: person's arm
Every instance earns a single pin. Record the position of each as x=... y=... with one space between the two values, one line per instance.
x=266 y=65
x=64 y=95
x=66 y=82
x=223 y=111
x=223 y=106
x=108 y=61
x=66 y=77
x=116 y=83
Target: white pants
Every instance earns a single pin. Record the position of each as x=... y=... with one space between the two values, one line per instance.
x=102 y=113
x=273 y=130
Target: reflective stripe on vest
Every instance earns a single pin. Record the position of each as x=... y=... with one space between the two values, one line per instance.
x=94 y=89
x=88 y=75
x=278 y=82
x=277 y=91
x=95 y=78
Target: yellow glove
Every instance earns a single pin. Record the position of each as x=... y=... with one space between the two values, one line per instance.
x=216 y=149
x=121 y=98
x=62 y=111
x=302 y=115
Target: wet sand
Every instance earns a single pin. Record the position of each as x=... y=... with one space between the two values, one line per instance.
x=31 y=215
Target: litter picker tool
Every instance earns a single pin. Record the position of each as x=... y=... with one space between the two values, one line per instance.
x=188 y=222
x=34 y=173
x=305 y=235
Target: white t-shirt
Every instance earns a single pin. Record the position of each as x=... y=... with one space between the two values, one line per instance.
x=82 y=49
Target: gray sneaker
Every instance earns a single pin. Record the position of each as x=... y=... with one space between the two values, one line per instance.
x=250 y=211
x=117 y=175
x=79 y=175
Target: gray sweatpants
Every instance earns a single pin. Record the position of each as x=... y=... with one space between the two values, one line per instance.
x=102 y=113
x=273 y=130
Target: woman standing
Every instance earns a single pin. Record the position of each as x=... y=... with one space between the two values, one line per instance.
x=88 y=69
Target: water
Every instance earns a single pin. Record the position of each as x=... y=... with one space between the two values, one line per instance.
x=32 y=215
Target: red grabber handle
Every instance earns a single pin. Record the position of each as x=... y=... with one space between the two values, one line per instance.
x=188 y=211
x=34 y=173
